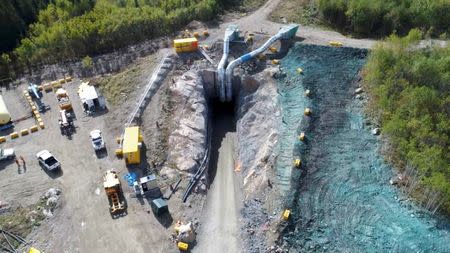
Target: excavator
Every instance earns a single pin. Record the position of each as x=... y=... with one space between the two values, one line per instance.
x=113 y=190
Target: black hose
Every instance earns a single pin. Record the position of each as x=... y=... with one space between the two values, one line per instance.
x=9 y=243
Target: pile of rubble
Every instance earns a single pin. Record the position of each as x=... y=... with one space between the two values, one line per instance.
x=52 y=201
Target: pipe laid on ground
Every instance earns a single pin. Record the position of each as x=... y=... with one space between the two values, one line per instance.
x=286 y=32
x=230 y=34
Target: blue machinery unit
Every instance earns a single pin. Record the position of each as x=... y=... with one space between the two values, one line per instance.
x=225 y=77
x=35 y=93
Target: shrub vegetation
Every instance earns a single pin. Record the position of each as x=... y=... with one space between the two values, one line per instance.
x=409 y=88
x=72 y=29
x=383 y=17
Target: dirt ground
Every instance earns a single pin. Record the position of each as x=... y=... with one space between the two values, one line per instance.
x=221 y=213
x=83 y=223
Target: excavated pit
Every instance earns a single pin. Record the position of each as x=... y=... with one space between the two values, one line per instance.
x=222 y=121
x=221 y=117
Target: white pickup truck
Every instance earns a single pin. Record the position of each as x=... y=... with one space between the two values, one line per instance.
x=7 y=153
x=97 y=140
x=47 y=160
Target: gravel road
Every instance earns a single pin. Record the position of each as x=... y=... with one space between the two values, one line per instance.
x=220 y=230
x=258 y=22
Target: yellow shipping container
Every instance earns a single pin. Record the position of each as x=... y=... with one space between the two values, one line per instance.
x=185 y=45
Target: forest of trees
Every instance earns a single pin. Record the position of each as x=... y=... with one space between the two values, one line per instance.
x=410 y=96
x=383 y=17
x=72 y=29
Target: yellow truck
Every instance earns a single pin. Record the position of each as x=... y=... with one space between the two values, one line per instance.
x=113 y=190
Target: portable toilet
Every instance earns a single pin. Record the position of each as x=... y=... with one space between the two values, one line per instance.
x=131 y=146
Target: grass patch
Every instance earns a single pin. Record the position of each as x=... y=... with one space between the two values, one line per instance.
x=21 y=220
x=294 y=11
x=118 y=86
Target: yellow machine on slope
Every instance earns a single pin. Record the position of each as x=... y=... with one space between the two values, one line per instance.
x=113 y=190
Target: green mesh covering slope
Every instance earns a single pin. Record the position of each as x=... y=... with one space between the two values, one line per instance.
x=341 y=197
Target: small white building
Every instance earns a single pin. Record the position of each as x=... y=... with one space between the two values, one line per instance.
x=91 y=98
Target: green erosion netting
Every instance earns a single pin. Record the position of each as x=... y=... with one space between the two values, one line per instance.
x=342 y=201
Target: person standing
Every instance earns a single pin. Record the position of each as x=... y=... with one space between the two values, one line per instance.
x=18 y=165
x=23 y=163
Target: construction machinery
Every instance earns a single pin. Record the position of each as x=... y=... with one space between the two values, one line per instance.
x=113 y=190
x=66 y=123
x=36 y=94
x=145 y=184
x=63 y=99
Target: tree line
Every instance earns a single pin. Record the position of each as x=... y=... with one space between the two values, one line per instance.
x=383 y=17
x=71 y=29
x=410 y=97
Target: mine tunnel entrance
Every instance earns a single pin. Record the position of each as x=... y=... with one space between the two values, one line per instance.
x=223 y=124
x=224 y=196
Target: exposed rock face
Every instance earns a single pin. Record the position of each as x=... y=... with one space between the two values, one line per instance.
x=187 y=143
x=257 y=127
x=258 y=116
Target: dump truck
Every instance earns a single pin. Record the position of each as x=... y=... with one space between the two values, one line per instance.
x=113 y=190
x=63 y=99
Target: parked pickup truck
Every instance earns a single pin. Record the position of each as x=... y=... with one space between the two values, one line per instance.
x=7 y=153
x=47 y=160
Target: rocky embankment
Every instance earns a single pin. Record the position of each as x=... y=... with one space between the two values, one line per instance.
x=187 y=143
x=259 y=118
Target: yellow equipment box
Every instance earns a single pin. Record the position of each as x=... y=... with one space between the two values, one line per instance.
x=286 y=214
x=307 y=112
x=183 y=246
x=131 y=146
x=185 y=45
x=336 y=43
x=297 y=163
